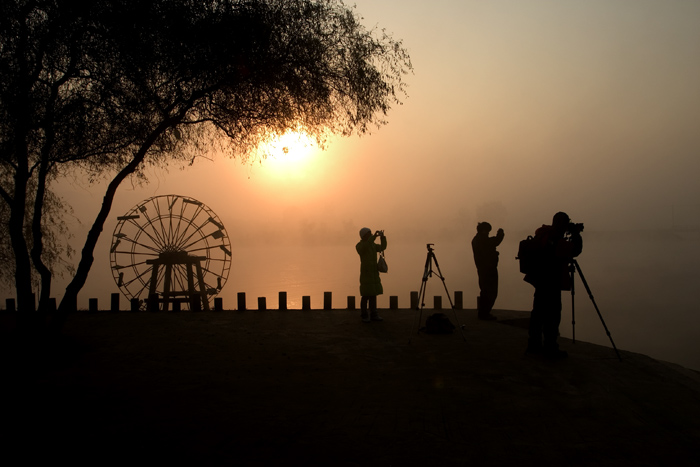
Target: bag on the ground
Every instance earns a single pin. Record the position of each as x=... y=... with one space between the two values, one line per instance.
x=438 y=323
x=381 y=264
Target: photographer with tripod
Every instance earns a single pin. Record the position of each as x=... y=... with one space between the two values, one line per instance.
x=558 y=245
x=370 y=283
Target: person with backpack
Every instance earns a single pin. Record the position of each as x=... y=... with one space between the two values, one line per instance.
x=486 y=260
x=370 y=283
x=556 y=246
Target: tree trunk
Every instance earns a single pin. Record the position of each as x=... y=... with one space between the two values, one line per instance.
x=38 y=245
x=70 y=298
x=23 y=272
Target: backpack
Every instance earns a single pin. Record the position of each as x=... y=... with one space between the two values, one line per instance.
x=530 y=254
x=438 y=323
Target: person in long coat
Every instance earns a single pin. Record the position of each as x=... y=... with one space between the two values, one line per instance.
x=486 y=260
x=370 y=283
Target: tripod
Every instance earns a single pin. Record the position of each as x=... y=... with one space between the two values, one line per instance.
x=428 y=272
x=573 y=267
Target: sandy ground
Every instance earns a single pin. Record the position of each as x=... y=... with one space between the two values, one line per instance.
x=322 y=388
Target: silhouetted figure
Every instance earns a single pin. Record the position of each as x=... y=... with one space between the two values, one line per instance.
x=370 y=283
x=558 y=244
x=486 y=260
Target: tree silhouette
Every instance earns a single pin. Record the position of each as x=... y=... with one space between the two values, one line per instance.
x=110 y=86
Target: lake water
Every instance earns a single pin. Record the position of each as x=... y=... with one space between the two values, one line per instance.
x=644 y=283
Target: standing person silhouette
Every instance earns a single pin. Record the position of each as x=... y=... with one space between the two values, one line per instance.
x=370 y=283
x=486 y=260
x=551 y=277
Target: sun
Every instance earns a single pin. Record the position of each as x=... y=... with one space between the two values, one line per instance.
x=291 y=155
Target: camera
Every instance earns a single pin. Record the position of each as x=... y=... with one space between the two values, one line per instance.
x=574 y=228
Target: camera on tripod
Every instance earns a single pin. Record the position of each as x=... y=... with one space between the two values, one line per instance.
x=574 y=228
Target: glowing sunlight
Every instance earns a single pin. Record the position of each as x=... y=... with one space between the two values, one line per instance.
x=292 y=155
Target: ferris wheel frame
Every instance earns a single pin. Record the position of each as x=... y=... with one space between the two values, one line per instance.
x=176 y=231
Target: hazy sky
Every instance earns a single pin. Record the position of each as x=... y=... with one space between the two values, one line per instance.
x=517 y=109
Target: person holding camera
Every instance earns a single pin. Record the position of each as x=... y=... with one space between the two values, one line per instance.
x=486 y=260
x=370 y=283
x=558 y=244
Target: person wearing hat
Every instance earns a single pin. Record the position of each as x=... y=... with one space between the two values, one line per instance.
x=552 y=276
x=486 y=260
x=370 y=283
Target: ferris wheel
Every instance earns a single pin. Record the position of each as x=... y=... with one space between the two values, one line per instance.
x=170 y=249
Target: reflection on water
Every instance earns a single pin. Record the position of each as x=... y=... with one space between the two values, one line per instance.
x=644 y=284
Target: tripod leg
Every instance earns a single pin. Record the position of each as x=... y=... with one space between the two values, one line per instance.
x=421 y=301
x=439 y=273
x=427 y=272
x=572 y=270
x=590 y=295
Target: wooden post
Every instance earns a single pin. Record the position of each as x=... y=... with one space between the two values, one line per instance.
x=393 y=302
x=196 y=301
x=351 y=302
x=10 y=305
x=306 y=302
x=93 y=305
x=327 y=300
x=459 y=300
x=134 y=304
x=241 y=301
x=218 y=304
x=282 y=301
x=262 y=304
x=152 y=302
x=115 y=302
x=437 y=302
x=177 y=305
x=414 y=301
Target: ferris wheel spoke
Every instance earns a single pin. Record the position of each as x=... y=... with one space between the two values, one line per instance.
x=215 y=235
x=160 y=235
x=137 y=243
x=197 y=242
x=180 y=216
x=213 y=274
x=180 y=277
x=175 y=229
x=133 y=265
x=206 y=247
x=135 y=279
x=163 y=233
x=129 y=254
x=170 y=231
x=181 y=230
x=143 y=273
x=184 y=219
x=144 y=284
x=157 y=241
x=185 y=237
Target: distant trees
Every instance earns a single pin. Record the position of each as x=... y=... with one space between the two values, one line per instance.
x=111 y=85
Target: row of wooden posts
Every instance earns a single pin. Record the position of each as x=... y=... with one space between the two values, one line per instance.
x=196 y=303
